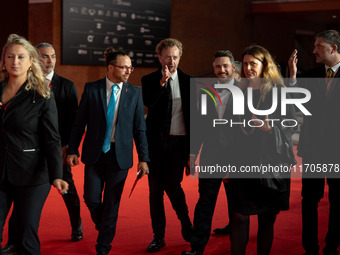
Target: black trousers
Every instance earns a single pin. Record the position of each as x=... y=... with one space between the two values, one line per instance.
x=105 y=176
x=71 y=200
x=167 y=161
x=72 y=203
x=312 y=192
x=28 y=204
x=208 y=191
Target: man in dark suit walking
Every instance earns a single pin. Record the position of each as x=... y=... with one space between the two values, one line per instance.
x=166 y=94
x=225 y=70
x=66 y=97
x=319 y=141
x=113 y=112
x=217 y=148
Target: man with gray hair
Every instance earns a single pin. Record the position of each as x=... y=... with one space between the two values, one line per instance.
x=66 y=97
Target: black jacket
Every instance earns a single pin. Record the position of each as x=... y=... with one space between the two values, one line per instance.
x=320 y=131
x=66 y=98
x=30 y=151
x=155 y=99
x=219 y=141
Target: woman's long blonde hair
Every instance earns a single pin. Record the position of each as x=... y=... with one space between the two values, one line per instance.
x=270 y=74
x=35 y=78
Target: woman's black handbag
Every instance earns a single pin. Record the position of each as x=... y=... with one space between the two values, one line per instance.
x=278 y=156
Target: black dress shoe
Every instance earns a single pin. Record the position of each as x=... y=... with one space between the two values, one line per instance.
x=223 y=231
x=9 y=249
x=77 y=236
x=187 y=233
x=156 y=245
x=327 y=251
x=192 y=253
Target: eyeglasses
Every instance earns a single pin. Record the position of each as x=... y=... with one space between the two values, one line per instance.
x=126 y=68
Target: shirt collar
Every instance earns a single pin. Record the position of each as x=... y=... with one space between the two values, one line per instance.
x=173 y=76
x=50 y=76
x=334 y=68
x=109 y=84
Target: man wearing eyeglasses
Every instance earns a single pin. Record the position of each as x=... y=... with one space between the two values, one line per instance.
x=113 y=111
x=166 y=94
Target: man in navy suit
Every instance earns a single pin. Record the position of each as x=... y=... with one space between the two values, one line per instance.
x=319 y=141
x=113 y=112
x=166 y=94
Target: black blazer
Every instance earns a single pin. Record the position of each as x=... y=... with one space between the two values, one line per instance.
x=29 y=140
x=66 y=97
x=155 y=99
x=130 y=125
x=320 y=131
x=219 y=141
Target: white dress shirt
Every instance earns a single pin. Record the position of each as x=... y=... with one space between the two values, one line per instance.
x=49 y=78
x=177 y=126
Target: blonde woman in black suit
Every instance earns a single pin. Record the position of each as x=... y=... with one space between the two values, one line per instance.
x=30 y=154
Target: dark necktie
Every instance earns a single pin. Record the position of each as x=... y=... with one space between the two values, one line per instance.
x=109 y=120
x=167 y=120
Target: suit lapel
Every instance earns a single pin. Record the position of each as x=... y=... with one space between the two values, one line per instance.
x=55 y=84
x=318 y=81
x=124 y=97
x=335 y=83
x=21 y=94
x=181 y=86
x=159 y=74
x=102 y=94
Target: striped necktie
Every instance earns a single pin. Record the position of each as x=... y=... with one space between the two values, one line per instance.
x=330 y=73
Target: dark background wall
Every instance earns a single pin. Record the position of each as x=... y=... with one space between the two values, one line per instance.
x=203 y=27
x=13 y=19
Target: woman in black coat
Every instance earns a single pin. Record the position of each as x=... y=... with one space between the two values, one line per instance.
x=30 y=150
x=260 y=142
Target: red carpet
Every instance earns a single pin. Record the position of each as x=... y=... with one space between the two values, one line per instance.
x=134 y=231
